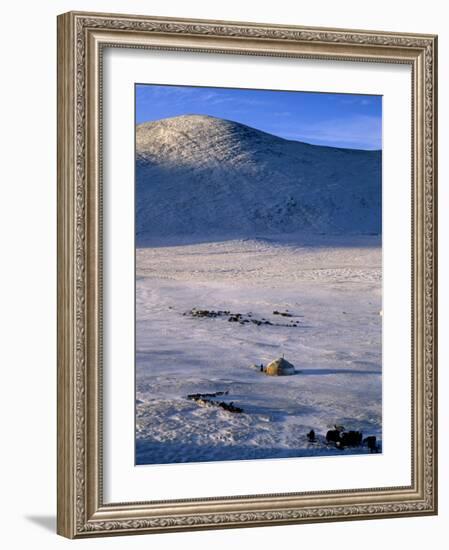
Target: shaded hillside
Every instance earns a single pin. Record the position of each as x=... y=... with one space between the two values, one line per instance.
x=202 y=176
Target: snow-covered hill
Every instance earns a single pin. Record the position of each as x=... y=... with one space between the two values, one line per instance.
x=200 y=176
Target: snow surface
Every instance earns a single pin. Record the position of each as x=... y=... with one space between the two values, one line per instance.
x=332 y=287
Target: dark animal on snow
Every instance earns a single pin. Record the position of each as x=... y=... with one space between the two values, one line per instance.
x=351 y=439
x=311 y=436
x=371 y=443
x=333 y=436
x=344 y=439
x=230 y=407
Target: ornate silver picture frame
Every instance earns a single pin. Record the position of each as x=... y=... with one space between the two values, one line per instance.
x=82 y=41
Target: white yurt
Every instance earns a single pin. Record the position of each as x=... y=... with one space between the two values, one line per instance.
x=279 y=367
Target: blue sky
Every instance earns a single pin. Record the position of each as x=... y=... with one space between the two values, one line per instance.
x=337 y=120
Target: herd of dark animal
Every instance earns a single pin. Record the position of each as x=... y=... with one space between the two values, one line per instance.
x=241 y=318
x=207 y=399
x=342 y=439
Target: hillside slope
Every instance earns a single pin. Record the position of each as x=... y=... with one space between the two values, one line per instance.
x=202 y=176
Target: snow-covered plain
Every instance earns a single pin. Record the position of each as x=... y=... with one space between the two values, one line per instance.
x=331 y=286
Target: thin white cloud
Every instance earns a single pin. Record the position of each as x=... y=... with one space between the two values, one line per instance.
x=361 y=131
x=178 y=95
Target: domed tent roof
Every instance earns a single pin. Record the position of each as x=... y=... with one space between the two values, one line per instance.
x=279 y=367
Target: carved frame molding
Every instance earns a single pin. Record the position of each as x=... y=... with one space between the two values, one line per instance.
x=81 y=39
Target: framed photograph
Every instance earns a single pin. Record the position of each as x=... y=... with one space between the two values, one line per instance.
x=246 y=274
